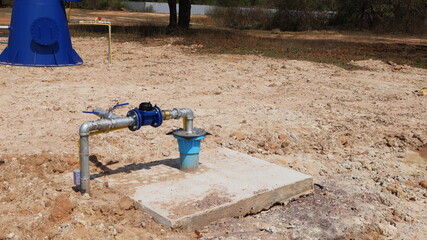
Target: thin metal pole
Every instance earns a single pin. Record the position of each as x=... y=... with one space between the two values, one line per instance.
x=110 y=55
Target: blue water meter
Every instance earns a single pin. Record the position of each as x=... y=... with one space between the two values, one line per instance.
x=146 y=115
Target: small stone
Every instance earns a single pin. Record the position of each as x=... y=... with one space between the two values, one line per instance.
x=86 y=196
x=423 y=183
x=126 y=203
x=273 y=146
x=101 y=226
x=280 y=152
x=397 y=67
x=113 y=230
x=292 y=135
x=64 y=225
x=59 y=167
x=261 y=144
x=282 y=136
x=238 y=136
x=10 y=235
x=322 y=172
x=395 y=190
x=166 y=153
x=9 y=197
x=368 y=167
x=346 y=166
x=143 y=224
x=284 y=145
x=271 y=229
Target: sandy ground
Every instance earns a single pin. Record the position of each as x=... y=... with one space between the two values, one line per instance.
x=360 y=134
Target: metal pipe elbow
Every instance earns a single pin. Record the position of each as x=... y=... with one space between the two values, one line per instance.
x=189 y=114
x=182 y=113
x=85 y=128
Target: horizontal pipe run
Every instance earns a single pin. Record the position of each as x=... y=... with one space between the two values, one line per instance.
x=90 y=22
x=5 y=27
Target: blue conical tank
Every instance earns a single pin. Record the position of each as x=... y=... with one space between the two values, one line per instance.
x=39 y=35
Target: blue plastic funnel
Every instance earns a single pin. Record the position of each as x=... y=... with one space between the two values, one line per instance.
x=39 y=35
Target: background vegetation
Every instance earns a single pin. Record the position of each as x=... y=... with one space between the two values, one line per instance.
x=299 y=15
x=102 y=4
x=393 y=16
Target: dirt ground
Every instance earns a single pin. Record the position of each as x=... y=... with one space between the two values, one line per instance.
x=361 y=135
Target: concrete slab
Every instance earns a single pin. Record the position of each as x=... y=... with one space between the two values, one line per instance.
x=228 y=184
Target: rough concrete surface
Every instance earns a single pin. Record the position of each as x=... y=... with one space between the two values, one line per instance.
x=228 y=184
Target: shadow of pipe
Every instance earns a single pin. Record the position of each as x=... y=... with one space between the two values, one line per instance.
x=170 y=162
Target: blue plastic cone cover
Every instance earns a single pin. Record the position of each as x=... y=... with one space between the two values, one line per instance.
x=39 y=35
x=189 y=150
x=189 y=146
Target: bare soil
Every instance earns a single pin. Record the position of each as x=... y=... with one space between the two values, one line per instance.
x=357 y=133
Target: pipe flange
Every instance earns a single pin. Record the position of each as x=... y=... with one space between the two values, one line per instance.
x=135 y=126
x=197 y=132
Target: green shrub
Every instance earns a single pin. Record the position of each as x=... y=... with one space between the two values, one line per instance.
x=242 y=18
x=149 y=9
x=383 y=15
x=287 y=20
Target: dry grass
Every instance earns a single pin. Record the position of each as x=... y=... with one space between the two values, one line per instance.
x=311 y=46
x=331 y=51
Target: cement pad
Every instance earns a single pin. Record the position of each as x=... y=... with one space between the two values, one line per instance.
x=228 y=184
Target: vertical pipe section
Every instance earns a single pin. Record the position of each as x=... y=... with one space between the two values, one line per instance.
x=88 y=128
x=84 y=164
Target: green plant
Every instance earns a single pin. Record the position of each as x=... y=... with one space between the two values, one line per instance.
x=242 y=18
x=383 y=15
x=149 y=9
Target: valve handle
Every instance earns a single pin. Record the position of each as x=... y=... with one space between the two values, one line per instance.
x=110 y=110
x=120 y=105
x=116 y=106
x=91 y=112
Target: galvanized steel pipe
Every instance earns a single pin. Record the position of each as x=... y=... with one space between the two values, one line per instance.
x=185 y=113
x=104 y=114
x=86 y=129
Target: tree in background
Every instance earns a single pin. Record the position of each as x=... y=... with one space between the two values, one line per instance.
x=391 y=15
x=184 y=16
x=301 y=15
x=172 y=14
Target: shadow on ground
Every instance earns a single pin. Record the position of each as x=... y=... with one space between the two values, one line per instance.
x=221 y=41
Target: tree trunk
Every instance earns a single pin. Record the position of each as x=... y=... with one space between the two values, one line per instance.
x=172 y=16
x=184 y=14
